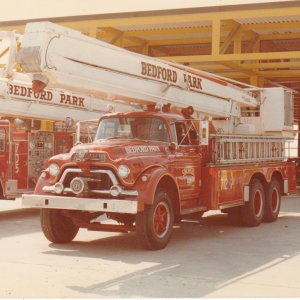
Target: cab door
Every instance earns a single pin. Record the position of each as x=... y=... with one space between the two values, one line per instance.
x=186 y=166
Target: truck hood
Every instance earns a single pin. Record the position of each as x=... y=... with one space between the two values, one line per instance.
x=123 y=149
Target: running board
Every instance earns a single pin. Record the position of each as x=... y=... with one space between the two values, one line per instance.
x=193 y=210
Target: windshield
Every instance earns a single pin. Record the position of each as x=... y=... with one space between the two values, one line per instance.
x=151 y=129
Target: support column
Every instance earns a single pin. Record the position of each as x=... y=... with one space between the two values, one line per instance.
x=216 y=37
x=257 y=81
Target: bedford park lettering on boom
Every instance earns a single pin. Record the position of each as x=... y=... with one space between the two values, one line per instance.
x=72 y=100
x=27 y=92
x=158 y=72
x=170 y=75
x=46 y=95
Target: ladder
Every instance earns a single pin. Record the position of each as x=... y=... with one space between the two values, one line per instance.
x=232 y=149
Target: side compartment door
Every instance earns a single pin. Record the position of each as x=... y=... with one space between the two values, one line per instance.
x=4 y=154
x=20 y=158
x=40 y=148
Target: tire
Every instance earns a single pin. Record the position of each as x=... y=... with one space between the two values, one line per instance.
x=154 y=225
x=56 y=227
x=253 y=211
x=273 y=201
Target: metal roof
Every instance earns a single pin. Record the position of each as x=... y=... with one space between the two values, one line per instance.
x=256 y=42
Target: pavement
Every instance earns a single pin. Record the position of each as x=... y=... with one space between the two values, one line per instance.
x=207 y=258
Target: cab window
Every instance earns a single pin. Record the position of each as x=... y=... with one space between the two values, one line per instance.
x=149 y=128
x=185 y=133
x=181 y=134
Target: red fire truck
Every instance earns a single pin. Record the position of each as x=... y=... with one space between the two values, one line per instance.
x=34 y=126
x=23 y=153
x=209 y=144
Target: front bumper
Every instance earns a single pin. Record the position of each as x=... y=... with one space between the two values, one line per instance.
x=82 y=204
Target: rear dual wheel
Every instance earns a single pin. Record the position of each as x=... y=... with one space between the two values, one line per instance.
x=253 y=211
x=263 y=204
x=273 y=201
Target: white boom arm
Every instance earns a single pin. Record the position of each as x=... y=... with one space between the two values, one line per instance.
x=18 y=98
x=65 y=58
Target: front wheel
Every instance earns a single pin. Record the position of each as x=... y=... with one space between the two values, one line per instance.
x=155 y=224
x=56 y=227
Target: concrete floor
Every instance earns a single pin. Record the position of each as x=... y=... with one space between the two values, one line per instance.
x=210 y=258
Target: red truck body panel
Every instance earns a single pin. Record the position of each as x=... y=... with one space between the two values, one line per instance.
x=23 y=154
x=224 y=185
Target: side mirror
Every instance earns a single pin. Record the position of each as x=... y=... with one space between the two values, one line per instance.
x=203 y=132
x=172 y=146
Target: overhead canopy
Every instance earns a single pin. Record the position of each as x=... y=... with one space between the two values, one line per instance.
x=256 y=42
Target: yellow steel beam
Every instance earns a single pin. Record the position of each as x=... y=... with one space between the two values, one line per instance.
x=119 y=38
x=163 y=31
x=272 y=65
x=216 y=36
x=246 y=36
x=18 y=28
x=254 y=43
x=281 y=73
x=267 y=74
x=159 y=51
x=179 y=18
x=230 y=38
x=234 y=57
x=272 y=24
x=237 y=43
x=145 y=49
x=211 y=67
x=136 y=40
x=207 y=29
x=251 y=66
x=280 y=36
x=184 y=18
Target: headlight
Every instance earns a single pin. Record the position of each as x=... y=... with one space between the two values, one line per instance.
x=58 y=188
x=54 y=169
x=123 y=171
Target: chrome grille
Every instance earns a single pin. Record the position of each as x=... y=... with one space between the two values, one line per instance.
x=98 y=182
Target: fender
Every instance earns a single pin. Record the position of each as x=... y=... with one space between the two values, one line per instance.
x=40 y=184
x=147 y=183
